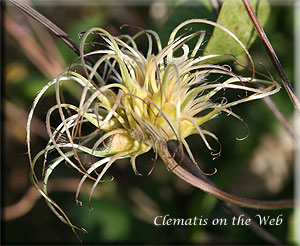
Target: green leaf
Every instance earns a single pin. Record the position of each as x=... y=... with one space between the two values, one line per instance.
x=234 y=17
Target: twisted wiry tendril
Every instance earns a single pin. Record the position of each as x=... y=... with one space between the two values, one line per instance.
x=130 y=103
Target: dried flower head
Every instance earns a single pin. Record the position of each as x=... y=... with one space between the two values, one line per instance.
x=128 y=103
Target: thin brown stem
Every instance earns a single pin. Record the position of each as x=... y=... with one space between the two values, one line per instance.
x=284 y=79
x=235 y=210
x=48 y=42
x=281 y=118
x=47 y=23
x=256 y=228
x=221 y=195
x=31 y=48
x=216 y=7
x=51 y=27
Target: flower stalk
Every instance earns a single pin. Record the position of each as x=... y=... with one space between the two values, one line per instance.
x=221 y=195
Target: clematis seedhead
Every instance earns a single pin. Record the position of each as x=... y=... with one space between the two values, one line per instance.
x=128 y=102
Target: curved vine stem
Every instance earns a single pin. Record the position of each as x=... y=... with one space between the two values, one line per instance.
x=235 y=210
x=172 y=165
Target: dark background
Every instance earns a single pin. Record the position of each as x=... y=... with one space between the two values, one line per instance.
x=260 y=167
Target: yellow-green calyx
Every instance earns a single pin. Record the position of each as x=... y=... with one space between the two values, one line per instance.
x=127 y=103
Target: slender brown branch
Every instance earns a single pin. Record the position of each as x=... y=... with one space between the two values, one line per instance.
x=285 y=81
x=47 y=23
x=51 y=27
x=235 y=210
x=281 y=118
x=185 y=175
x=31 y=48
x=216 y=7
x=48 y=42
x=256 y=228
